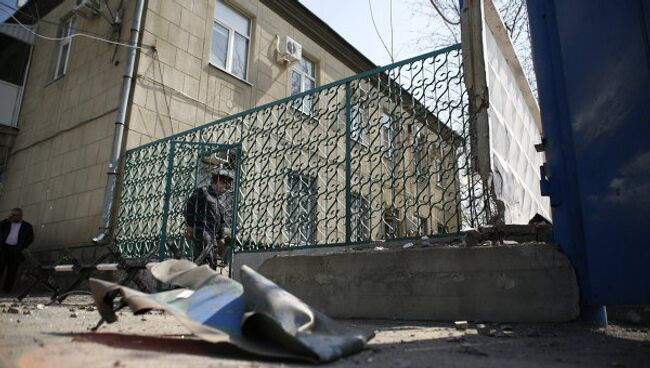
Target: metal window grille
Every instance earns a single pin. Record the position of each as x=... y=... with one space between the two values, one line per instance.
x=343 y=188
x=301 y=209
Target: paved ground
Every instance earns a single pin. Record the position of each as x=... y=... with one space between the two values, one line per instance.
x=59 y=336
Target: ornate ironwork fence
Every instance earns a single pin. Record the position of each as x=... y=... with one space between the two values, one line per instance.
x=385 y=154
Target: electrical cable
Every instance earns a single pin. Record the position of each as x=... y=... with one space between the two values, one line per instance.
x=372 y=17
x=36 y=19
x=74 y=35
x=442 y=15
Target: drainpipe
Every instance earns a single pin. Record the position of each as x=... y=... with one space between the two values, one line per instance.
x=120 y=127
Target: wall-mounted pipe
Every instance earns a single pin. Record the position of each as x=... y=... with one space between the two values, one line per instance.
x=120 y=127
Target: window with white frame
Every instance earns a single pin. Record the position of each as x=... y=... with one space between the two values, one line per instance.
x=303 y=78
x=360 y=219
x=359 y=115
x=231 y=33
x=301 y=209
x=67 y=30
x=388 y=135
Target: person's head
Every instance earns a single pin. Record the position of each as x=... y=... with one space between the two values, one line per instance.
x=16 y=215
x=221 y=181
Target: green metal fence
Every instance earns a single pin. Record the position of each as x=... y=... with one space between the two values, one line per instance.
x=385 y=154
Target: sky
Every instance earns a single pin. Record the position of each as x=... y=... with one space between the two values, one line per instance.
x=351 y=19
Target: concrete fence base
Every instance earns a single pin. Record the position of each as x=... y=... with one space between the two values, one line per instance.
x=523 y=283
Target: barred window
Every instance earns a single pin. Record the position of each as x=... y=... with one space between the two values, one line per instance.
x=359 y=115
x=388 y=135
x=420 y=158
x=360 y=218
x=300 y=214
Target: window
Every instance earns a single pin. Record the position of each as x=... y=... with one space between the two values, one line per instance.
x=420 y=157
x=360 y=218
x=64 y=48
x=388 y=136
x=442 y=229
x=303 y=78
x=439 y=172
x=423 y=225
x=301 y=209
x=359 y=116
x=390 y=218
x=230 y=40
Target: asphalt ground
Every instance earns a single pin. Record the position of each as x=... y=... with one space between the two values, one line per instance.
x=59 y=335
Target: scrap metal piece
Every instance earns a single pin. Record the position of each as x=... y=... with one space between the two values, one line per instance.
x=257 y=315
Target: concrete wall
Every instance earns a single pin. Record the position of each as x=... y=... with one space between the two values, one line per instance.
x=57 y=167
x=525 y=283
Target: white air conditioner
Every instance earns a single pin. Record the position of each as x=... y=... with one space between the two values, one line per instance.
x=289 y=50
x=88 y=8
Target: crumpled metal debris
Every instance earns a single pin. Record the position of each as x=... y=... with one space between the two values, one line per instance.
x=257 y=315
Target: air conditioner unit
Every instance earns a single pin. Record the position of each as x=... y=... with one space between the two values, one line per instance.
x=289 y=50
x=88 y=8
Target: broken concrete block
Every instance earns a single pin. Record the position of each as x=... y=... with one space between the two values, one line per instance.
x=461 y=325
x=484 y=330
x=407 y=245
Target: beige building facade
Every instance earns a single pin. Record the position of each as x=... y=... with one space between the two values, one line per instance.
x=199 y=60
x=56 y=171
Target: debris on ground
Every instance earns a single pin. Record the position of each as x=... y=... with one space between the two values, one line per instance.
x=257 y=315
x=461 y=325
x=484 y=330
x=407 y=245
x=40 y=306
x=13 y=310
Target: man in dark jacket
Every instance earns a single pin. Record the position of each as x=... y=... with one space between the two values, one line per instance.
x=15 y=236
x=205 y=218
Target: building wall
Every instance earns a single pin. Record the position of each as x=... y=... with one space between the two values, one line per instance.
x=57 y=169
x=58 y=163
x=197 y=92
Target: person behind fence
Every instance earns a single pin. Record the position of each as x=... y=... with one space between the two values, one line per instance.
x=205 y=218
x=15 y=236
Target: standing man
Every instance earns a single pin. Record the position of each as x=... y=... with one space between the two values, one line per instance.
x=15 y=236
x=205 y=218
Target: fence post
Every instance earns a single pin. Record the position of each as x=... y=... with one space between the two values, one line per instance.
x=348 y=163
x=167 y=195
x=235 y=209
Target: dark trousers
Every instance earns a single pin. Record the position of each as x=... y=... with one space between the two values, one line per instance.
x=10 y=258
x=206 y=241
